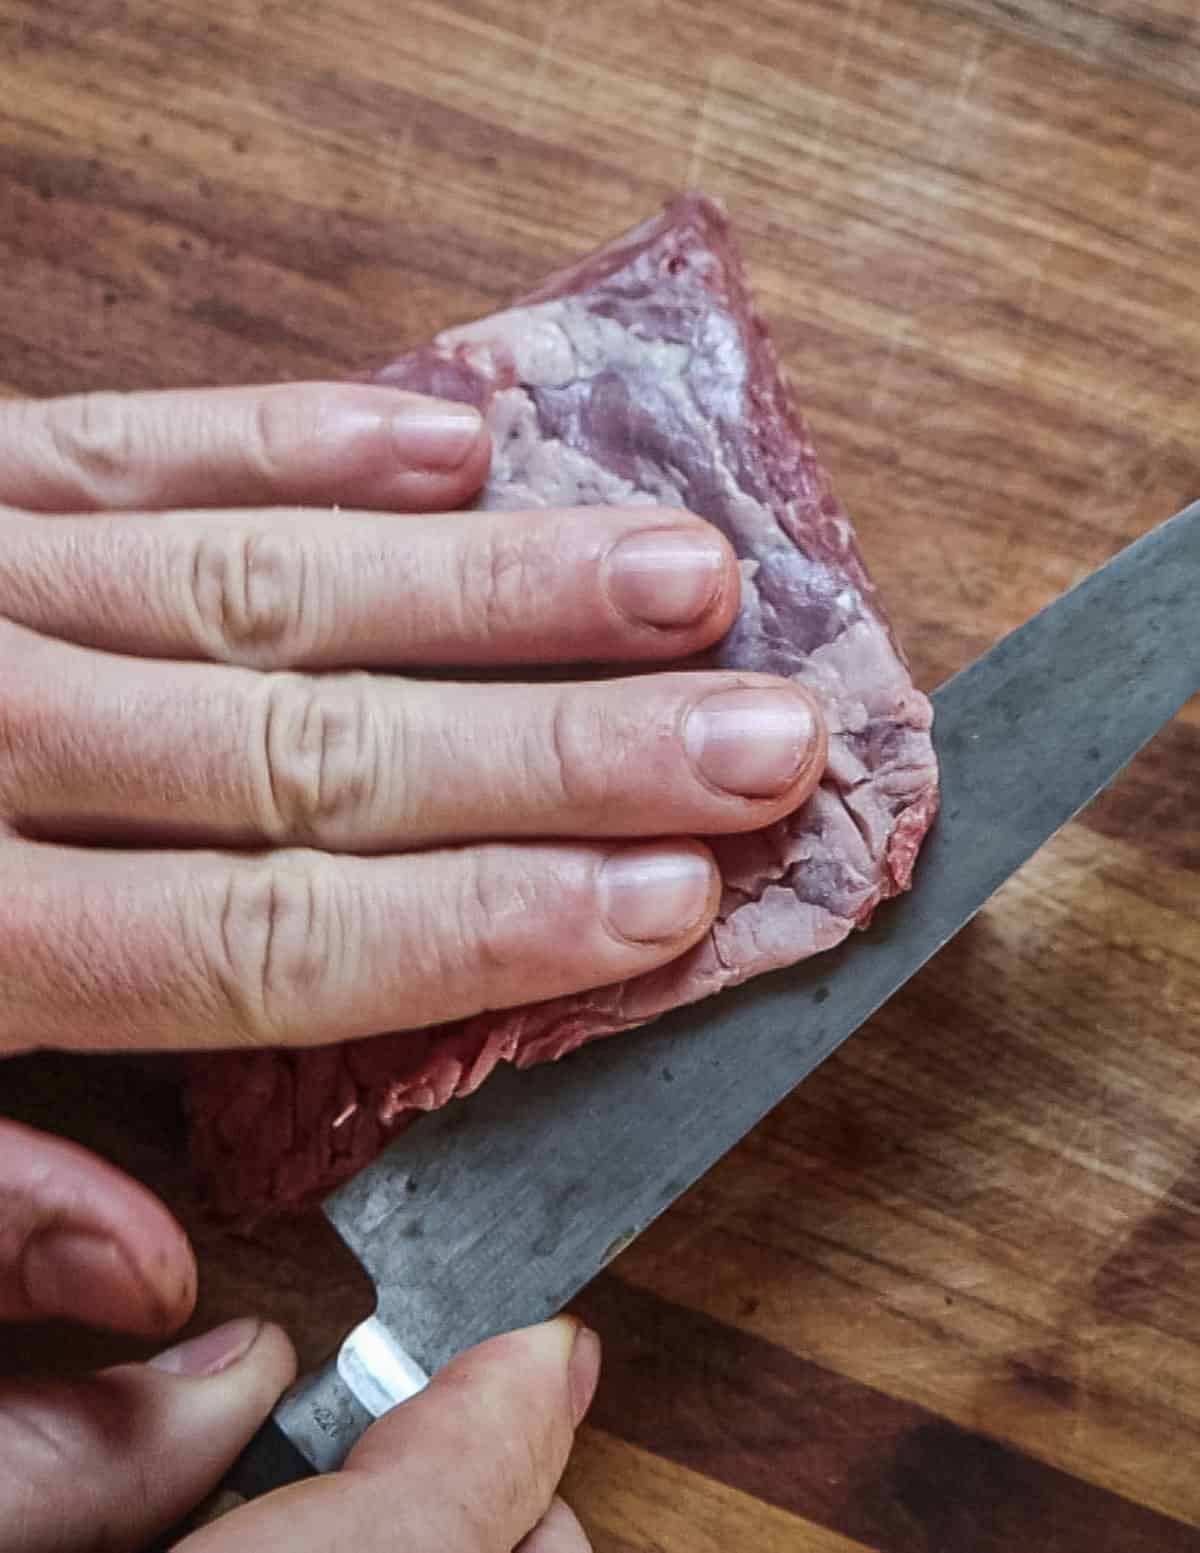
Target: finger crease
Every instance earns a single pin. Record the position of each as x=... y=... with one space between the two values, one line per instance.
x=270 y=723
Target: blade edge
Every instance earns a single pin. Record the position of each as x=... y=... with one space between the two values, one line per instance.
x=466 y=1235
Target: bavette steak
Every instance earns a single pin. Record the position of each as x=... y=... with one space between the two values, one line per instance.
x=640 y=374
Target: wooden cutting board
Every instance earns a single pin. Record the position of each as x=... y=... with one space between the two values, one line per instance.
x=947 y=1297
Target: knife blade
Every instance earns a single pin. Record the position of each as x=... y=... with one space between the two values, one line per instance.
x=494 y=1212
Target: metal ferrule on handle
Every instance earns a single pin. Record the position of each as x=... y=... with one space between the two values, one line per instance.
x=317 y=1423
x=326 y=1413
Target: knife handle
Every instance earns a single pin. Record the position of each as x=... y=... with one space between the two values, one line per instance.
x=269 y=1461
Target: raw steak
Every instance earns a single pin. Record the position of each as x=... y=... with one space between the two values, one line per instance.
x=640 y=374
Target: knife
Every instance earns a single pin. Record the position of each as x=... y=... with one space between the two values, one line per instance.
x=494 y=1212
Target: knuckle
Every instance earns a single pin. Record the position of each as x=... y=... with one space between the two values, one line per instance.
x=583 y=748
x=92 y=434
x=254 y=597
x=280 y=426
x=499 y=907
x=277 y=945
x=505 y=576
x=323 y=752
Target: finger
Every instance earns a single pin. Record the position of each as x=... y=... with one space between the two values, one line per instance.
x=104 y=950
x=302 y=589
x=559 y=1532
x=112 y=1459
x=79 y=1239
x=471 y=1464
x=217 y=447
x=94 y=744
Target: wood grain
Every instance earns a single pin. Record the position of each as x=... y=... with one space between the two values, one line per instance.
x=822 y=1447
x=946 y=1297
x=651 y=1501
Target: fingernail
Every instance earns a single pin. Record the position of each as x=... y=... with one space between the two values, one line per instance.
x=436 y=437
x=87 y=1277
x=664 y=578
x=211 y=1352
x=753 y=742
x=583 y=1369
x=649 y=894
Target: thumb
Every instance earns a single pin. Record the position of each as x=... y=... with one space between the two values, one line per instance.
x=111 y=1459
x=470 y=1465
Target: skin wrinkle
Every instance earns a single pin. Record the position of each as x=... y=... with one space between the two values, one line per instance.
x=77 y=950
x=376 y=735
x=576 y=778
x=193 y=611
x=316 y=798
x=267 y=767
x=221 y=971
x=34 y=577
x=507 y=582
x=297 y=967
x=347 y=798
x=274 y=583
x=277 y=430
x=20 y=1424
x=89 y=435
x=265 y=970
x=315 y=606
x=343 y=931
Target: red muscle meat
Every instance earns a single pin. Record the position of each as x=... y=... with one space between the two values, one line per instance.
x=641 y=374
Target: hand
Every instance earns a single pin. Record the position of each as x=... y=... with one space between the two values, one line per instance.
x=322 y=855
x=312 y=856
x=114 y=1459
